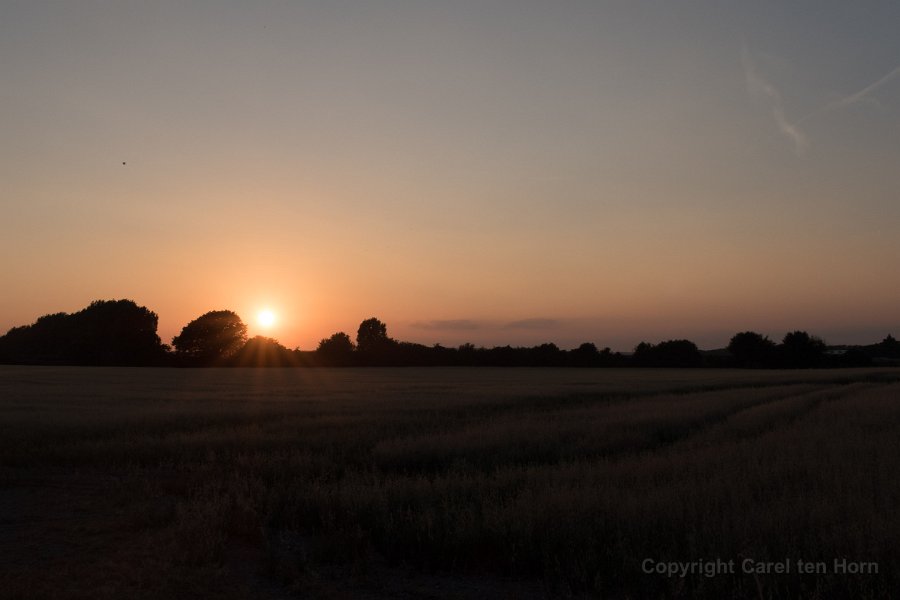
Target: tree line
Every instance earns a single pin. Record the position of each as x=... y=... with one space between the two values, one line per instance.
x=119 y=332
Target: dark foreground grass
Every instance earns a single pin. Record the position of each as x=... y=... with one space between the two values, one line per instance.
x=447 y=483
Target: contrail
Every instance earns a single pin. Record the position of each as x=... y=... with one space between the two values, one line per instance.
x=852 y=98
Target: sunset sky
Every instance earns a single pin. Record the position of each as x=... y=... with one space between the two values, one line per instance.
x=487 y=171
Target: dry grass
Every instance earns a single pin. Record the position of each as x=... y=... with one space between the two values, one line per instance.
x=443 y=483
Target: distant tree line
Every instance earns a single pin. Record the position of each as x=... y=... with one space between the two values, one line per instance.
x=119 y=332
x=799 y=350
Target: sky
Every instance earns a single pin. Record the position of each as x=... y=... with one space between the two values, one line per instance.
x=494 y=172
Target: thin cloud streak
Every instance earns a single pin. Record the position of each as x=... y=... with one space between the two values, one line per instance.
x=759 y=86
x=447 y=325
x=473 y=325
x=853 y=98
x=533 y=324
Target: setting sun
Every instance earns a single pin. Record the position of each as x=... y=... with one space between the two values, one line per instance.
x=266 y=318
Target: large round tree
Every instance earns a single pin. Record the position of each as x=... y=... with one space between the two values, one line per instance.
x=212 y=337
x=372 y=336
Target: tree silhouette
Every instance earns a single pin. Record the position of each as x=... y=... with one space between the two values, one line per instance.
x=671 y=353
x=107 y=332
x=547 y=354
x=889 y=347
x=119 y=332
x=801 y=350
x=261 y=351
x=371 y=337
x=336 y=350
x=585 y=355
x=211 y=338
x=751 y=349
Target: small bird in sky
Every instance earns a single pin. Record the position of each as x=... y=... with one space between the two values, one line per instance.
x=123 y=162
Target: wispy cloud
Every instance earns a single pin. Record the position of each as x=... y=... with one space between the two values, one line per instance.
x=447 y=325
x=760 y=86
x=533 y=324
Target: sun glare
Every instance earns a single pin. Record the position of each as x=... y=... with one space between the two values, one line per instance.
x=266 y=318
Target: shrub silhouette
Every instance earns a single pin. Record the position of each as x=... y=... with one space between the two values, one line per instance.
x=211 y=338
